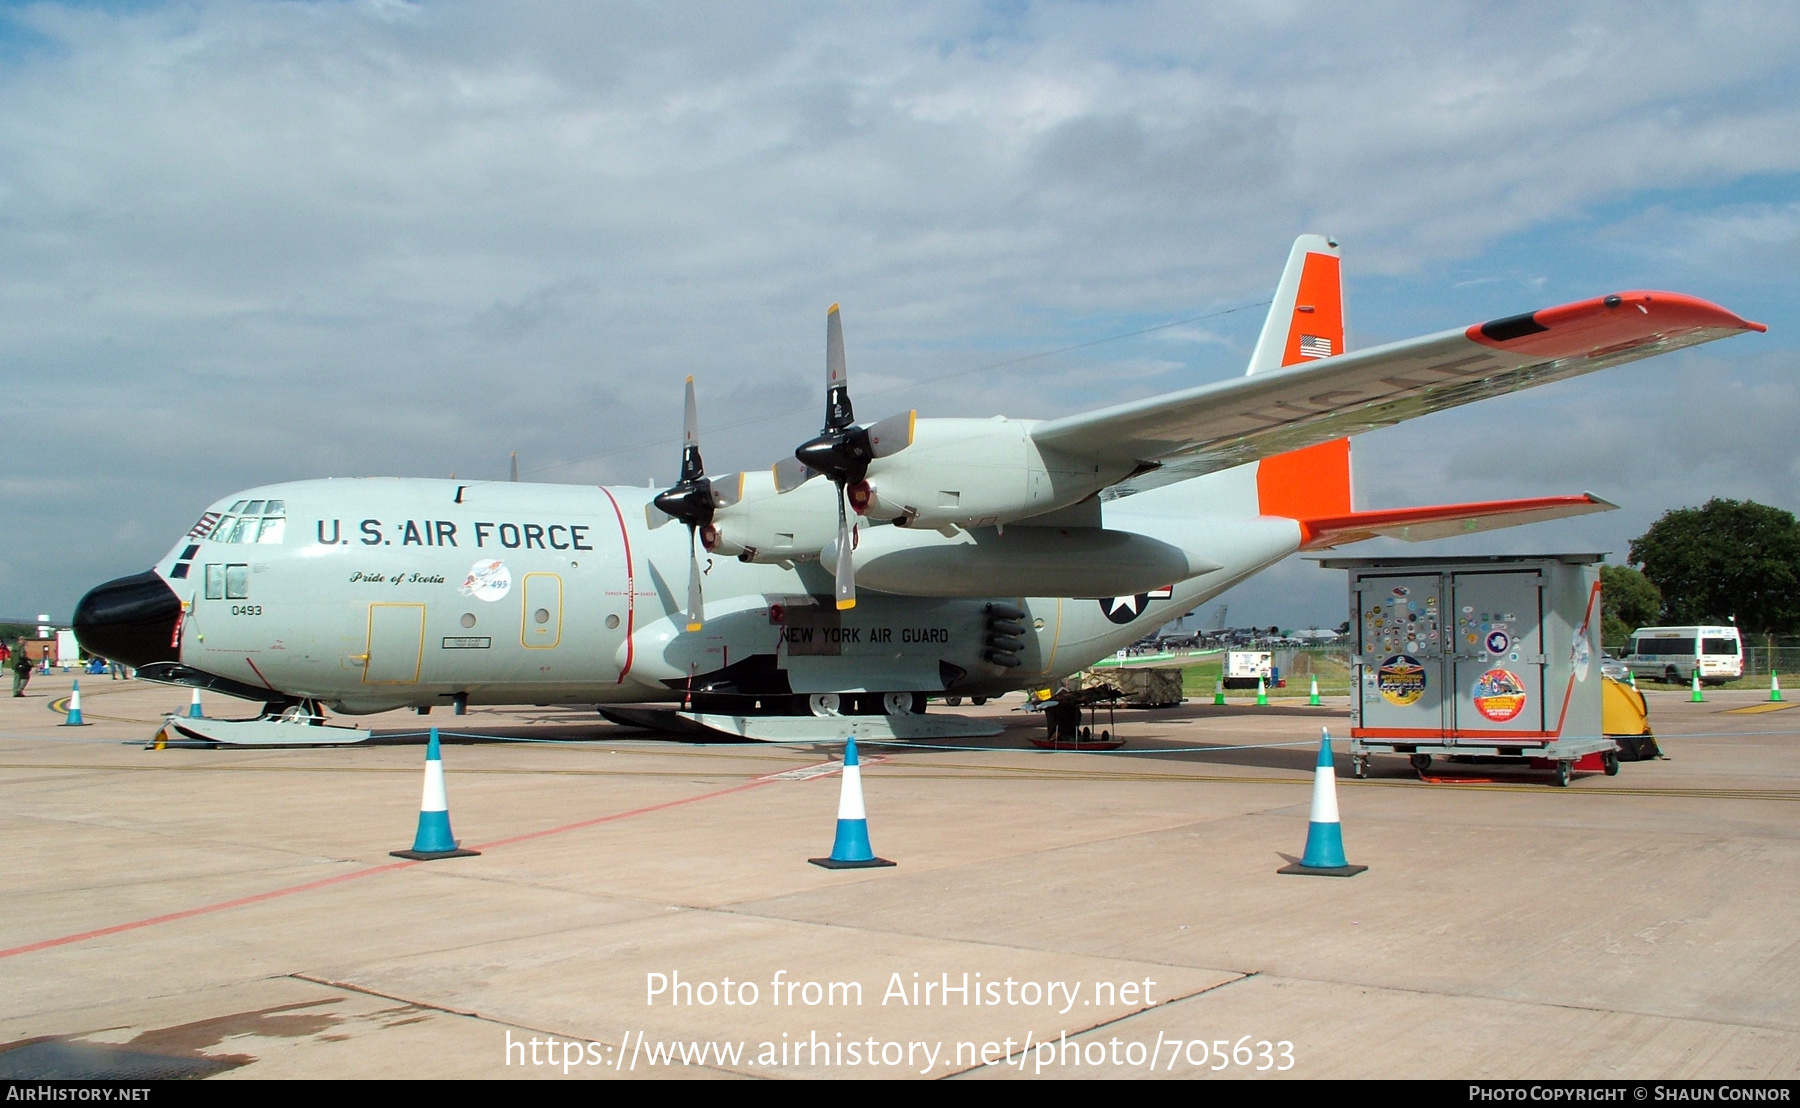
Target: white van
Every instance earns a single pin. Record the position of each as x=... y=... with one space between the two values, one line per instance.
x=1673 y=654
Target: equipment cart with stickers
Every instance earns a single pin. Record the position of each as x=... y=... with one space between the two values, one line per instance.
x=1478 y=660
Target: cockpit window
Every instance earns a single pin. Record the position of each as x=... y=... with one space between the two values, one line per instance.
x=261 y=521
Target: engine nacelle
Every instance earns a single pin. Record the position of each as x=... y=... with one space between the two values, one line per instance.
x=974 y=473
x=757 y=524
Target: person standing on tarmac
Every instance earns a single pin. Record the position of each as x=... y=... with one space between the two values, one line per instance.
x=21 y=667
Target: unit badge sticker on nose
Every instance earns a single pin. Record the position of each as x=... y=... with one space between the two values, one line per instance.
x=488 y=579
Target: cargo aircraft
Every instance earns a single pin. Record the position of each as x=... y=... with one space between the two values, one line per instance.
x=880 y=565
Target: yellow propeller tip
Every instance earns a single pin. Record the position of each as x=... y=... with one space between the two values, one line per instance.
x=830 y=310
x=695 y=626
x=846 y=605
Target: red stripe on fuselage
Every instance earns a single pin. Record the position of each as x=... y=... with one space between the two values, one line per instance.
x=630 y=586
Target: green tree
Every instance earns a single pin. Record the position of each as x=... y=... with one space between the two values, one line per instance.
x=1628 y=601
x=1724 y=559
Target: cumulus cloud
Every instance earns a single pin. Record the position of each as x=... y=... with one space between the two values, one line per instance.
x=250 y=241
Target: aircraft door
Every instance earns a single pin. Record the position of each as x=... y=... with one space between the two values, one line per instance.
x=396 y=644
x=1499 y=652
x=541 y=627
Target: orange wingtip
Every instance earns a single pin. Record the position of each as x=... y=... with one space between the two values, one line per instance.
x=1606 y=323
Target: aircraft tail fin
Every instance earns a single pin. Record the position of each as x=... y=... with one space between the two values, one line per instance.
x=1306 y=322
x=1306 y=318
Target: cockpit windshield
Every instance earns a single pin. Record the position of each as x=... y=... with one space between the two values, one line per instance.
x=255 y=521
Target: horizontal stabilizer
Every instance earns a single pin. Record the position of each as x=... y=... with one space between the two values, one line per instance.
x=1444 y=521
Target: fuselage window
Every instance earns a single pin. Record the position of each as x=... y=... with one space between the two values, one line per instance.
x=215 y=581
x=237 y=582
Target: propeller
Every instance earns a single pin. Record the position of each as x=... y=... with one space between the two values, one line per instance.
x=842 y=452
x=691 y=501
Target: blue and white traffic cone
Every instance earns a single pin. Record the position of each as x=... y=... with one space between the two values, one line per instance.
x=434 y=839
x=1324 y=855
x=194 y=711
x=851 y=848
x=73 y=719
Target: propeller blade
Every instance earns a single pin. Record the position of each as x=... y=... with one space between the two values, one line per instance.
x=846 y=567
x=728 y=490
x=791 y=473
x=696 y=599
x=838 y=413
x=893 y=434
x=692 y=469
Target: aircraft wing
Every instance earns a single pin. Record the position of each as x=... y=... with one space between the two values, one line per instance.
x=1229 y=423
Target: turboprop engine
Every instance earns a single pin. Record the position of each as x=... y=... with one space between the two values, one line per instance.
x=961 y=473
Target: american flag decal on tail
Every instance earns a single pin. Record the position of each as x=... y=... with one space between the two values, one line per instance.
x=1315 y=346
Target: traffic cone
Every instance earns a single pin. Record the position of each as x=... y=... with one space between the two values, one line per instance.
x=1631 y=678
x=73 y=719
x=1313 y=698
x=1697 y=697
x=851 y=848
x=1774 y=687
x=194 y=711
x=434 y=839
x=1324 y=856
x=1262 y=693
x=1219 y=693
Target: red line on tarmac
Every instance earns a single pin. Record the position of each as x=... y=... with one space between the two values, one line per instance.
x=203 y=910
x=256 y=898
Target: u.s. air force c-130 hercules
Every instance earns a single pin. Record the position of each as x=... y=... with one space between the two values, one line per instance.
x=880 y=565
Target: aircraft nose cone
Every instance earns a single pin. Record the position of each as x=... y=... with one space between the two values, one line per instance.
x=130 y=620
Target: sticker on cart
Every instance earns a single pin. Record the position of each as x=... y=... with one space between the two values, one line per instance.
x=1401 y=680
x=1583 y=655
x=1498 y=642
x=1401 y=590
x=1499 y=695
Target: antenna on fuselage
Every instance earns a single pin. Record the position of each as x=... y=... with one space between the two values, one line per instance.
x=515 y=467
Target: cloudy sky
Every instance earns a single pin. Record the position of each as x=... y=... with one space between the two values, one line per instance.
x=245 y=242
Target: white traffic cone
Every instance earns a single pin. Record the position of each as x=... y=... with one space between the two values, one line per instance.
x=1313 y=697
x=1324 y=856
x=73 y=719
x=1774 y=687
x=194 y=711
x=1262 y=693
x=851 y=850
x=434 y=839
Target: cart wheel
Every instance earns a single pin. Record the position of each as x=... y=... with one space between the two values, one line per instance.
x=978 y=701
x=953 y=701
x=1086 y=733
x=1562 y=774
x=1106 y=736
x=1610 y=763
x=1421 y=762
